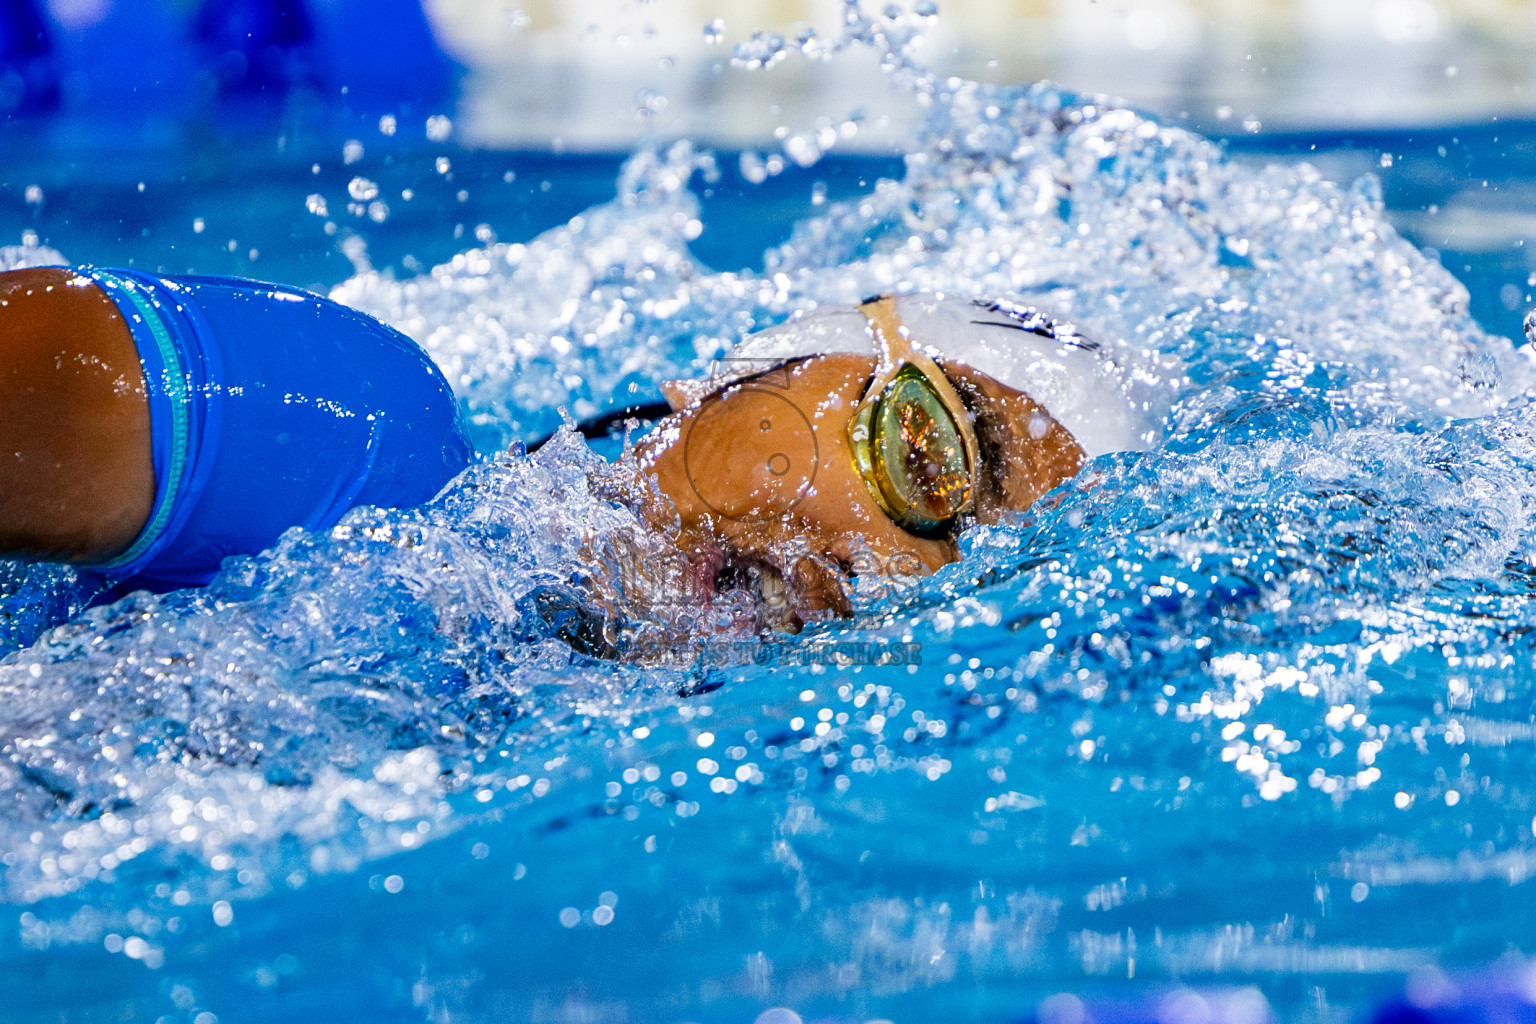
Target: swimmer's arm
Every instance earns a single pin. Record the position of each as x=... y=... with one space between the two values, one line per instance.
x=76 y=475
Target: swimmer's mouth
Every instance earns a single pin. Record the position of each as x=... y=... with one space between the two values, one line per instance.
x=811 y=590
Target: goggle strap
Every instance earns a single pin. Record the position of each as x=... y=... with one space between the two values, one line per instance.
x=885 y=324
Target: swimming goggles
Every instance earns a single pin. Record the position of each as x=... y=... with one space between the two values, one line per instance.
x=911 y=435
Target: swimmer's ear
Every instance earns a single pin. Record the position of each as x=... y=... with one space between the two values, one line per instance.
x=680 y=394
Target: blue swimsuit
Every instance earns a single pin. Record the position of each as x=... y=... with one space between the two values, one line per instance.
x=270 y=407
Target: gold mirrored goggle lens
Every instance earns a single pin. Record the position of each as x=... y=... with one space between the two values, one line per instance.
x=918 y=454
x=911 y=437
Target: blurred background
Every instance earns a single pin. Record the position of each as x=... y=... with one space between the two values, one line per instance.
x=598 y=74
x=304 y=140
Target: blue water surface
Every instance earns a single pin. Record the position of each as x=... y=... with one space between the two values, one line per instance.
x=1250 y=712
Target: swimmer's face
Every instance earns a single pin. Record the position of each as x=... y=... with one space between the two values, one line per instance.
x=761 y=474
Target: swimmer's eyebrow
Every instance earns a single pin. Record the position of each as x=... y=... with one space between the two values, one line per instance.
x=1032 y=321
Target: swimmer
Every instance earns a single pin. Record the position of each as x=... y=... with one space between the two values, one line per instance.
x=155 y=425
x=851 y=441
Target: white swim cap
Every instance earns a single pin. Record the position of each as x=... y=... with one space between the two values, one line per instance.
x=1109 y=397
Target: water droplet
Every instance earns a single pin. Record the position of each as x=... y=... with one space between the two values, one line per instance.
x=778 y=1015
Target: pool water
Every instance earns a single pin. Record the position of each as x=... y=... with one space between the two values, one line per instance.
x=1241 y=727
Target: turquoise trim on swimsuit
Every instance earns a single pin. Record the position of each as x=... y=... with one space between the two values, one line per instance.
x=175 y=384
